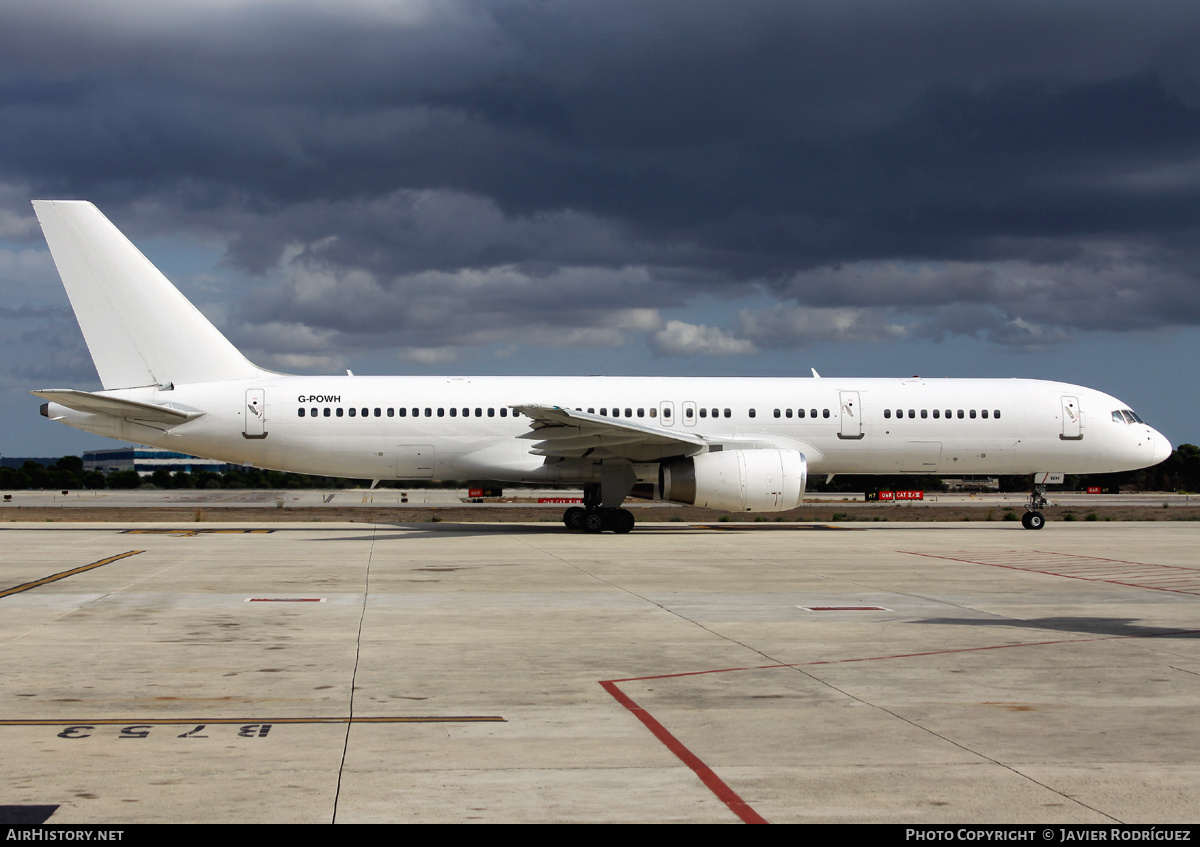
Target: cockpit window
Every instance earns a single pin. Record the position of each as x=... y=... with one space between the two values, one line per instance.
x=1126 y=416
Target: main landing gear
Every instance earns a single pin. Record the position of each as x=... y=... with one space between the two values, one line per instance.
x=1033 y=517
x=594 y=518
x=598 y=520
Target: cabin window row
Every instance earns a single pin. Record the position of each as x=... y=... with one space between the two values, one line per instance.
x=800 y=413
x=402 y=412
x=630 y=412
x=948 y=413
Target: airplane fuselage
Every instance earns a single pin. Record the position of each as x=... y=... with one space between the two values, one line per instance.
x=465 y=427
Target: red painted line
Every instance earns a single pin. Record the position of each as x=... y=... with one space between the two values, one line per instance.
x=713 y=782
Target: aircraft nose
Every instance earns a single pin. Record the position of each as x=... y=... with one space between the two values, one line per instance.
x=1162 y=447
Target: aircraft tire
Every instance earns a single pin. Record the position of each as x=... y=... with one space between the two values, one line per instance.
x=594 y=521
x=622 y=521
x=573 y=518
x=1033 y=520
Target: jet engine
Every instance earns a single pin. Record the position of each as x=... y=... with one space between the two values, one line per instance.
x=738 y=480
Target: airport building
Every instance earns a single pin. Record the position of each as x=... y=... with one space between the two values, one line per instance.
x=146 y=460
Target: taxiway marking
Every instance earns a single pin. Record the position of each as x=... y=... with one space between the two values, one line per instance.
x=17 y=589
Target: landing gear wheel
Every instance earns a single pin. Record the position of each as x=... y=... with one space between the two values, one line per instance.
x=1033 y=520
x=622 y=521
x=594 y=521
x=573 y=518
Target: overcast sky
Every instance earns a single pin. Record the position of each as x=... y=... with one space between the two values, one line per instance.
x=871 y=188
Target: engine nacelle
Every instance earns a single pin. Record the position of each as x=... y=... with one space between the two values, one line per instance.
x=738 y=480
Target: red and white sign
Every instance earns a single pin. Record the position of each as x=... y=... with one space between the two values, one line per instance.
x=474 y=492
x=560 y=499
x=910 y=495
x=1093 y=489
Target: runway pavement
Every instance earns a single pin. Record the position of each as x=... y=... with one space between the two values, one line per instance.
x=317 y=672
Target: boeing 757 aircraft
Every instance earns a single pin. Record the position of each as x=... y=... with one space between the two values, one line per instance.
x=172 y=380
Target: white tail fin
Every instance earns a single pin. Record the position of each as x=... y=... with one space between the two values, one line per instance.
x=139 y=328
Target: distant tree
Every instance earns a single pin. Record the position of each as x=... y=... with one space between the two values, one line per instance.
x=70 y=464
x=124 y=480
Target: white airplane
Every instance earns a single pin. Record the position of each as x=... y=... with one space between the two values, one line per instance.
x=172 y=380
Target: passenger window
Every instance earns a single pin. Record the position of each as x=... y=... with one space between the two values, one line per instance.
x=899 y=413
x=312 y=413
x=466 y=413
x=972 y=414
x=788 y=412
x=812 y=413
x=960 y=414
x=629 y=413
x=752 y=413
x=887 y=413
x=603 y=410
x=591 y=411
x=654 y=413
x=491 y=412
x=924 y=413
x=799 y=413
x=441 y=413
x=912 y=413
x=984 y=413
x=641 y=413
x=704 y=413
x=937 y=413
x=996 y=413
x=300 y=412
x=352 y=412
x=453 y=413
x=339 y=412
x=824 y=413
x=366 y=413
x=728 y=413
x=327 y=412
x=504 y=411
x=666 y=413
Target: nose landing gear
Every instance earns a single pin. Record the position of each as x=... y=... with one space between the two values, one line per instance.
x=1033 y=517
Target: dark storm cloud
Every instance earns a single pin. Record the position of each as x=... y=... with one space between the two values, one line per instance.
x=1011 y=170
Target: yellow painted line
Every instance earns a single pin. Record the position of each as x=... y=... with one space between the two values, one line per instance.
x=192 y=533
x=220 y=721
x=16 y=589
x=765 y=526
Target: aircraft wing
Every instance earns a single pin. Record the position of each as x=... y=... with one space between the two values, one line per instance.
x=570 y=434
x=99 y=404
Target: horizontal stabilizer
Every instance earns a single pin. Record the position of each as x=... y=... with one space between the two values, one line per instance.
x=99 y=404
